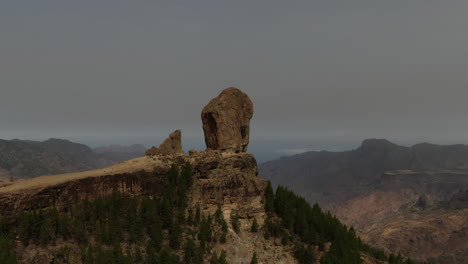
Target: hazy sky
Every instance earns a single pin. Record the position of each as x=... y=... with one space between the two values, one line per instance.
x=316 y=70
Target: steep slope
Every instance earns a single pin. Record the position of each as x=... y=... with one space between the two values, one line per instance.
x=335 y=177
x=401 y=199
x=415 y=225
x=167 y=208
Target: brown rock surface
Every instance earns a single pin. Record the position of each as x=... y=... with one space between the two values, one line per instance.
x=229 y=179
x=436 y=237
x=172 y=145
x=226 y=121
x=394 y=221
x=220 y=178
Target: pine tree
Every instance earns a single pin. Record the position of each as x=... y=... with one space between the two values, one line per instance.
x=189 y=253
x=235 y=221
x=197 y=215
x=214 y=258
x=138 y=256
x=7 y=253
x=219 y=214
x=254 y=259
x=254 y=227
x=190 y=220
x=151 y=256
x=166 y=212
x=223 y=238
x=205 y=231
x=174 y=236
x=89 y=255
x=269 y=199
x=222 y=257
x=305 y=255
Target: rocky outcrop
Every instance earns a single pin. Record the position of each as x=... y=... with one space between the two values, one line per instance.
x=229 y=179
x=65 y=195
x=226 y=121
x=224 y=178
x=172 y=145
x=219 y=178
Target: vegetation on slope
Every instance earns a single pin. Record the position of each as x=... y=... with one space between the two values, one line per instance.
x=292 y=214
x=121 y=229
x=163 y=229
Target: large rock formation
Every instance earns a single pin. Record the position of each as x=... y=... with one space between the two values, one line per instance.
x=172 y=145
x=226 y=121
x=220 y=179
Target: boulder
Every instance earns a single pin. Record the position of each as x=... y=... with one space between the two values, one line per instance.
x=172 y=145
x=226 y=121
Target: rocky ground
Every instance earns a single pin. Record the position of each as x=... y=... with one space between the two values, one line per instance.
x=403 y=221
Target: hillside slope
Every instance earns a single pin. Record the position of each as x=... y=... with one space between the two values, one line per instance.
x=209 y=207
x=334 y=177
x=21 y=159
x=402 y=199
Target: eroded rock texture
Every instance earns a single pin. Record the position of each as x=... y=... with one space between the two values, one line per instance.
x=219 y=178
x=226 y=121
x=172 y=145
x=229 y=179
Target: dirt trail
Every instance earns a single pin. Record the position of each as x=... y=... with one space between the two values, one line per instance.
x=143 y=163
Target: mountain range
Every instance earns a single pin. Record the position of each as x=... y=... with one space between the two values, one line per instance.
x=403 y=199
x=334 y=177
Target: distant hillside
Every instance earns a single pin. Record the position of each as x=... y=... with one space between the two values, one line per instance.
x=402 y=199
x=21 y=159
x=330 y=177
x=120 y=153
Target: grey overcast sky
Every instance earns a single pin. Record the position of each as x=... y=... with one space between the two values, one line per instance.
x=317 y=70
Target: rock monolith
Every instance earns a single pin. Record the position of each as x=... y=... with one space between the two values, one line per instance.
x=226 y=121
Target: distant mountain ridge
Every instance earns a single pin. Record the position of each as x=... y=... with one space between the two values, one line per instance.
x=369 y=166
x=411 y=200
x=26 y=158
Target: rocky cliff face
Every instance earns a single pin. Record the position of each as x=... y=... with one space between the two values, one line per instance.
x=220 y=178
x=224 y=179
x=229 y=179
